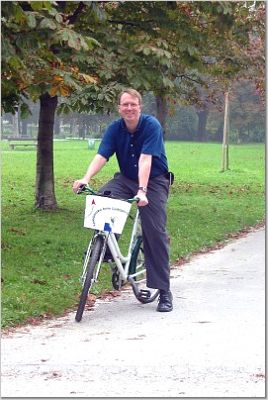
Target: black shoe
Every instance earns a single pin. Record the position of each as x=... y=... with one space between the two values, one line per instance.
x=165 y=301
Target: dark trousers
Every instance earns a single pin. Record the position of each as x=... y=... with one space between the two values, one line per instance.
x=153 y=222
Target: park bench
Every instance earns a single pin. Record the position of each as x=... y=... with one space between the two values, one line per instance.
x=21 y=141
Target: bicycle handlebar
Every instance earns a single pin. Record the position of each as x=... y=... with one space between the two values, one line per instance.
x=88 y=190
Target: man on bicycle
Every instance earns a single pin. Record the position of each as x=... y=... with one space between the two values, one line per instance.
x=137 y=141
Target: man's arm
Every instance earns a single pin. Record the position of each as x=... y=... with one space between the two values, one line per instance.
x=145 y=163
x=94 y=167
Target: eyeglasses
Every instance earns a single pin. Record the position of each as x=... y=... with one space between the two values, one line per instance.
x=127 y=105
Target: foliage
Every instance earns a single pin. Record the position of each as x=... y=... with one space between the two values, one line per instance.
x=237 y=55
x=157 y=46
x=168 y=42
x=40 y=51
x=182 y=123
x=247 y=119
x=254 y=52
x=86 y=51
x=92 y=99
x=42 y=252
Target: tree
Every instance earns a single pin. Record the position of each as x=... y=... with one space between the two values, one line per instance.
x=45 y=195
x=247 y=116
x=178 y=39
x=40 y=53
x=149 y=56
x=225 y=141
x=85 y=52
x=253 y=54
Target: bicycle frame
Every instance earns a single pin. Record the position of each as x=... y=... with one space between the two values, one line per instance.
x=122 y=262
x=119 y=259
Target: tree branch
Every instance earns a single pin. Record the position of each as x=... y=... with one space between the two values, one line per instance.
x=72 y=17
x=130 y=23
x=183 y=76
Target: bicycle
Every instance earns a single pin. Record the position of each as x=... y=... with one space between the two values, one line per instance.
x=107 y=217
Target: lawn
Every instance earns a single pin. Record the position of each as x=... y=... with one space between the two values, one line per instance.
x=42 y=251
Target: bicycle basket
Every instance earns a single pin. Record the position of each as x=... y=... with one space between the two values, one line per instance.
x=106 y=214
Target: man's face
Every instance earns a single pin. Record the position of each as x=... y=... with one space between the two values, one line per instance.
x=129 y=108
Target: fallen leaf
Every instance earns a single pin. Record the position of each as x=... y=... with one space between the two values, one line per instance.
x=39 y=282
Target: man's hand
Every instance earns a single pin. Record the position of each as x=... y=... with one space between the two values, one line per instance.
x=78 y=183
x=94 y=167
x=143 y=198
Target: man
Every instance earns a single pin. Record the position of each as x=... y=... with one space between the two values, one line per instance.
x=137 y=141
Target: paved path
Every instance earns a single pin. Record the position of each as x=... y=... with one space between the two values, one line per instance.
x=211 y=345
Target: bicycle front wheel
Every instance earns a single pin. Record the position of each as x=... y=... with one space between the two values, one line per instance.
x=92 y=262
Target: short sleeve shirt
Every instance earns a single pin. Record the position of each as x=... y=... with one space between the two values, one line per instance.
x=147 y=139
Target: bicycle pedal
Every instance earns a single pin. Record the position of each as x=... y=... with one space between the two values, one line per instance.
x=144 y=294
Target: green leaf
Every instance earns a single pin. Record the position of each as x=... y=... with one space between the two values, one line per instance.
x=58 y=18
x=25 y=110
x=73 y=42
x=15 y=62
x=91 y=42
x=31 y=20
x=47 y=23
x=146 y=51
x=62 y=35
x=18 y=14
x=42 y=5
x=167 y=83
x=191 y=50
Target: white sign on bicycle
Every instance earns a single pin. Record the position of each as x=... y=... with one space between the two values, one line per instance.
x=106 y=214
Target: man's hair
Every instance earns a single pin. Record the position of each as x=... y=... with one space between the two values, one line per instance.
x=132 y=92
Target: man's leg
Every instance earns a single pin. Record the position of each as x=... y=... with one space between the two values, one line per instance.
x=153 y=220
x=155 y=238
x=119 y=187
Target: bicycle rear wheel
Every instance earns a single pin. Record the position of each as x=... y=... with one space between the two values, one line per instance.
x=91 y=264
x=137 y=275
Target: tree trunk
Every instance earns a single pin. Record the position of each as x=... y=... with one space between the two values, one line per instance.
x=24 y=127
x=19 y=122
x=81 y=130
x=15 y=122
x=71 y=127
x=225 y=140
x=202 y=123
x=82 y=126
x=45 y=195
x=161 y=110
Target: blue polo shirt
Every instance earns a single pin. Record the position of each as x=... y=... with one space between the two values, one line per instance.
x=147 y=139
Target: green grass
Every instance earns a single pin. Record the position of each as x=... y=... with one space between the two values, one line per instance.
x=42 y=251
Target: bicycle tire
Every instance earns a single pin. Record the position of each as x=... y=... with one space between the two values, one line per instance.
x=134 y=256
x=93 y=260
x=143 y=294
